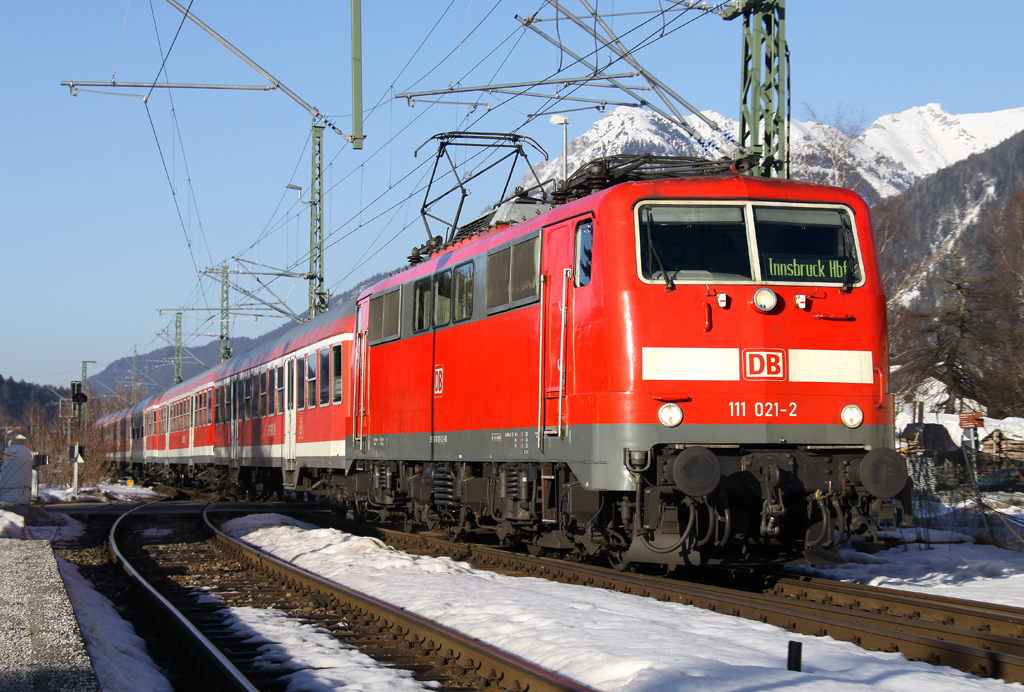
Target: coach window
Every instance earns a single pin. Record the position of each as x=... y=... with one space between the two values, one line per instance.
x=280 y=388
x=462 y=295
x=311 y=379
x=336 y=373
x=263 y=394
x=247 y=414
x=442 y=298
x=271 y=392
x=300 y=382
x=584 y=252
x=325 y=369
x=421 y=304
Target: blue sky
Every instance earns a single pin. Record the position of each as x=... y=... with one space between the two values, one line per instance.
x=95 y=244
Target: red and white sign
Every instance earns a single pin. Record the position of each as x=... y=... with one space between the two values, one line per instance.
x=438 y=380
x=767 y=364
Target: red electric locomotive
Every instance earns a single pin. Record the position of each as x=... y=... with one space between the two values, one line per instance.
x=676 y=370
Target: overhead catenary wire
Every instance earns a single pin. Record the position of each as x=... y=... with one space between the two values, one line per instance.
x=352 y=224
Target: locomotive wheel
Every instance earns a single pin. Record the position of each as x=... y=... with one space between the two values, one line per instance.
x=537 y=550
x=617 y=561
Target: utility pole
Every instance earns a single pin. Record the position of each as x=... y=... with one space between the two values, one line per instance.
x=177 y=348
x=318 y=297
x=225 y=342
x=764 y=85
x=357 y=75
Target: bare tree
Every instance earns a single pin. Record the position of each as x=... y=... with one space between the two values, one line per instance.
x=828 y=153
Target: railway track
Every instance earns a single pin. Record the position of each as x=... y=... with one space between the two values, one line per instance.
x=196 y=562
x=980 y=638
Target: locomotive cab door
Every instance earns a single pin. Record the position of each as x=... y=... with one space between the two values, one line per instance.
x=557 y=326
x=567 y=267
x=360 y=403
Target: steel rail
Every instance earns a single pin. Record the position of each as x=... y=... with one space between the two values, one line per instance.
x=958 y=612
x=213 y=656
x=492 y=664
x=984 y=652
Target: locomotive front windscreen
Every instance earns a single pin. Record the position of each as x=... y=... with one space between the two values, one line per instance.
x=799 y=245
x=722 y=243
x=693 y=243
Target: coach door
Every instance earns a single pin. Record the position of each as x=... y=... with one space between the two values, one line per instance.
x=289 y=411
x=233 y=415
x=193 y=420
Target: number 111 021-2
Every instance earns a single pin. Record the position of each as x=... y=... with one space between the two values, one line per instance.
x=762 y=409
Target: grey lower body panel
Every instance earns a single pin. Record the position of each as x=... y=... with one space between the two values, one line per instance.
x=596 y=453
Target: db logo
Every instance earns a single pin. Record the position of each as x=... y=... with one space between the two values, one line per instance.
x=764 y=365
x=438 y=380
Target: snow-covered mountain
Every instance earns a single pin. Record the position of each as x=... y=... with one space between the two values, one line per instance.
x=893 y=153
x=927 y=138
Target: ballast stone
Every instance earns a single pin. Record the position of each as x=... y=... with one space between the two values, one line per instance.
x=41 y=647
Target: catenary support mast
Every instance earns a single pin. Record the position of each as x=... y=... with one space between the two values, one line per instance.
x=225 y=317
x=318 y=297
x=764 y=85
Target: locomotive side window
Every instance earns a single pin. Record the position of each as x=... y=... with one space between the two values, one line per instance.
x=421 y=304
x=498 y=265
x=442 y=298
x=801 y=245
x=463 y=296
x=513 y=275
x=336 y=372
x=325 y=369
x=692 y=243
x=385 y=313
x=311 y=379
x=525 y=271
x=584 y=252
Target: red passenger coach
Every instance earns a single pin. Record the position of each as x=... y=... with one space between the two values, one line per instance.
x=672 y=370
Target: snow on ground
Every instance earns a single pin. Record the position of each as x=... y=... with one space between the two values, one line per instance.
x=943 y=563
x=104 y=492
x=118 y=655
x=319 y=661
x=27 y=522
x=608 y=640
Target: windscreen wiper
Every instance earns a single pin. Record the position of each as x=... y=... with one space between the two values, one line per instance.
x=852 y=268
x=652 y=253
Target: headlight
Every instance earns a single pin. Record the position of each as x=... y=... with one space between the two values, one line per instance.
x=670 y=415
x=765 y=299
x=852 y=416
